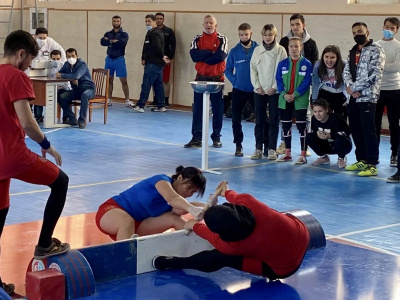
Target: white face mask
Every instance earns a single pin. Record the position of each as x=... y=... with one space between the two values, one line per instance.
x=72 y=60
x=40 y=42
x=57 y=64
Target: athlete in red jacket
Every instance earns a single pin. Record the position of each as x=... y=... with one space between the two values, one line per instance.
x=247 y=235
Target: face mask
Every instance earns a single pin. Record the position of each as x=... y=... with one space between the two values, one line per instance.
x=388 y=34
x=40 y=42
x=360 y=39
x=149 y=27
x=57 y=64
x=207 y=32
x=72 y=60
x=245 y=43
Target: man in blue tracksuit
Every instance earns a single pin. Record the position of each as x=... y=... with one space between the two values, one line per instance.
x=77 y=72
x=238 y=73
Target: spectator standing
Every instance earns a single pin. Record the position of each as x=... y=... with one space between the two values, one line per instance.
x=115 y=40
x=208 y=51
x=390 y=87
x=238 y=73
x=264 y=64
x=46 y=46
x=362 y=77
x=169 y=51
x=153 y=60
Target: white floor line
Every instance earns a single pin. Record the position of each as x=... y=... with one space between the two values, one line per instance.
x=368 y=230
x=366 y=245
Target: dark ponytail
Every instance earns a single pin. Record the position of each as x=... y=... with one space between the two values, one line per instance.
x=193 y=175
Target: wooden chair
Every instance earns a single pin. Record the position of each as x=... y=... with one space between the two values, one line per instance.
x=100 y=78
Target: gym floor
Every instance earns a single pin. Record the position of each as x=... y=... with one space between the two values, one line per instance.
x=360 y=216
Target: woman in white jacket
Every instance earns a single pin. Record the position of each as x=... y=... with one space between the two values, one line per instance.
x=263 y=65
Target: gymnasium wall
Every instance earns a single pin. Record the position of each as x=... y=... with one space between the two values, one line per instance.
x=81 y=25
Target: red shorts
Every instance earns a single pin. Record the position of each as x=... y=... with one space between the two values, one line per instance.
x=166 y=73
x=105 y=207
x=41 y=172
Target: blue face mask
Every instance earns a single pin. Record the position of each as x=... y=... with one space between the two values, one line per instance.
x=388 y=34
x=149 y=27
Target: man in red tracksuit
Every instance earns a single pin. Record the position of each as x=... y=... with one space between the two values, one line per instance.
x=247 y=235
x=209 y=51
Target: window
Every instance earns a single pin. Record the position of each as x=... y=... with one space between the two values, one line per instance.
x=373 y=1
x=260 y=1
x=147 y=1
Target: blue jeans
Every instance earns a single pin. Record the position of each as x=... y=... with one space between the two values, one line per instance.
x=65 y=99
x=152 y=76
x=217 y=104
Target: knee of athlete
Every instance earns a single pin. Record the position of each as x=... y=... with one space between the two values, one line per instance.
x=61 y=181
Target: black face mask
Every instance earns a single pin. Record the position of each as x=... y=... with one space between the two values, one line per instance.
x=360 y=39
x=245 y=43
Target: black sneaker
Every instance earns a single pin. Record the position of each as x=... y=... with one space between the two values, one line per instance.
x=9 y=288
x=161 y=262
x=394 y=178
x=217 y=144
x=239 y=151
x=72 y=122
x=194 y=143
x=56 y=248
x=82 y=125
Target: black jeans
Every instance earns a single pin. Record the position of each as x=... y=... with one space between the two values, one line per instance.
x=239 y=99
x=390 y=99
x=266 y=130
x=362 y=127
x=340 y=146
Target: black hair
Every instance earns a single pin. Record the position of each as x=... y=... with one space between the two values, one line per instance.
x=40 y=30
x=393 y=20
x=230 y=221
x=298 y=16
x=71 y=50
x=153 y=17
x=20 y=40
x=359 y=24
x=116 y=17
x=160 y=14
x=55 y=52
x=324 y=104
x=193 y=175
x=339 y=67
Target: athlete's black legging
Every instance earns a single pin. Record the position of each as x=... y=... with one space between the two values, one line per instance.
x=213 y=260
x=301 y=124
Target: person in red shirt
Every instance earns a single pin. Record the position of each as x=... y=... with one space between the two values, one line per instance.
x=16 y=160
x=247 y=235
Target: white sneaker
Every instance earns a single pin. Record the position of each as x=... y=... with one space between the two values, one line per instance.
x=161 y=109
x=129 y=103
x=272 y=154
x=308 y=153
x=257 y=155
x=134 y=236
x=322 y=160
x=138 y=109
x=109 y=102
x=342 y=162
x=301 y=160
x=281 y=149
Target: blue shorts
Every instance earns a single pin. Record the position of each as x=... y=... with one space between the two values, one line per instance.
x=116 y=65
